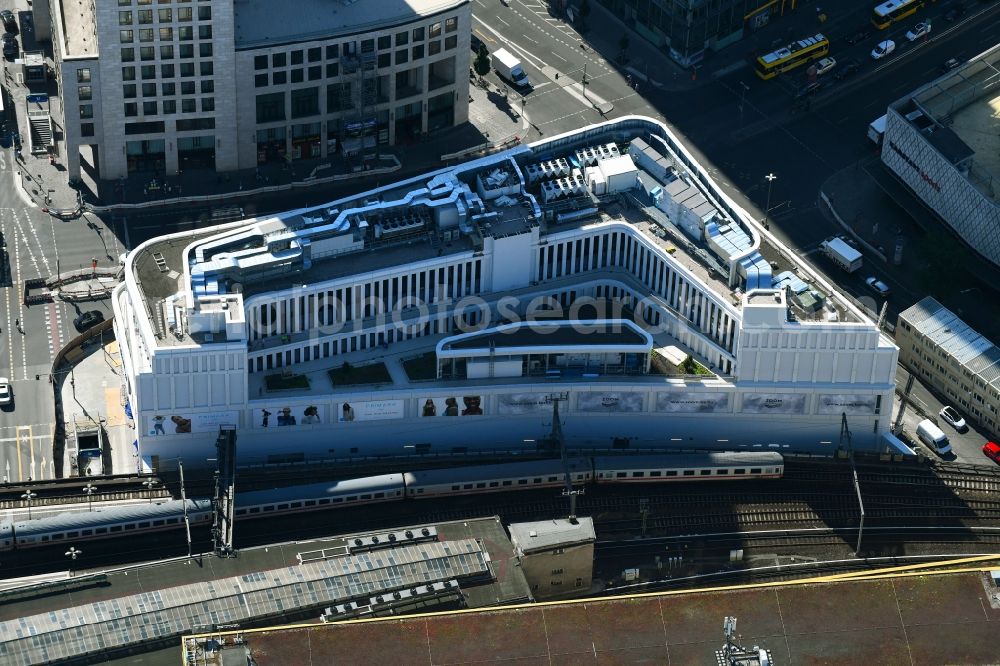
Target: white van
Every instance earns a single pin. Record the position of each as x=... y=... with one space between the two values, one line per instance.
x=933 y=437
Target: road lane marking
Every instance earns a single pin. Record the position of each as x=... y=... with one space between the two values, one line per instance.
x=20 y=474
x=502 y=21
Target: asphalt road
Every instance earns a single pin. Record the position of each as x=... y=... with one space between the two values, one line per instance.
x=37 y=245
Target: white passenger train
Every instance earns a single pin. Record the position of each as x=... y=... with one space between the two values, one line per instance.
x=68 y=528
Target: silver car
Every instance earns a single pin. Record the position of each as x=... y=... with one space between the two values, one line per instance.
x=883 y=49
x=951 y=416
x=876 y=285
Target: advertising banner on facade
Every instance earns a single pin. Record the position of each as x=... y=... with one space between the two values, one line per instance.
x=462 y=405
x=611 y=402
x=774 y=403
x=838 y=403
x=524 y=403
x=182 y=424
x=372 y=410
x=274 y=417
x=690 y=402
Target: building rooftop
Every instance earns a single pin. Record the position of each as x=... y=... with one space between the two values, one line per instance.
x=956 y=338
x=799 y=623
x=546 y=534
x=537 y=190
x=261 y=24
x=79 y=29
x=957 y=113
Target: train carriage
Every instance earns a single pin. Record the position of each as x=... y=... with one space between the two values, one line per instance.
x=109 y=523
x=497 y=478
x=689 y=467
x=346 y=492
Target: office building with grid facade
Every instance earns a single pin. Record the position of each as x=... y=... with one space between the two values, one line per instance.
x=170 y=85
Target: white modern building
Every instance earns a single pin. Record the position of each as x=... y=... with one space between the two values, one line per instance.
x=467 y=301
x=942 y=142
x=230 y=84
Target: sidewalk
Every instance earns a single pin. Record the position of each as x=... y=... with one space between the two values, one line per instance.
x=91 y=393
x=45 y=185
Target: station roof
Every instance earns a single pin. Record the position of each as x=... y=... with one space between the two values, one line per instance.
x=135 y=606
x=887 y=622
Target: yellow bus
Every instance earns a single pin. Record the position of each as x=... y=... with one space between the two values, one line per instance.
x=791 y=56
x=894 y=10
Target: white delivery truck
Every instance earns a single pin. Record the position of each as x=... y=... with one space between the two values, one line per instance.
x=933 y=437
x=876 y=131
x=842 y=254
x=510 y=68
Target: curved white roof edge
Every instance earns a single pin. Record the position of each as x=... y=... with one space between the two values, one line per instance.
x=513 y=326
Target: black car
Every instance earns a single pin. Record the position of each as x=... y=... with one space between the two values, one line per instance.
x=859 y=36
x=954 y=13
x=10 y=47
x=808 y=89
x=476 y=43
x=849 y=68
x=9 y=22
x=88 y=320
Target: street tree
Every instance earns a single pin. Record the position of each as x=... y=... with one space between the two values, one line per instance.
x=482 y=63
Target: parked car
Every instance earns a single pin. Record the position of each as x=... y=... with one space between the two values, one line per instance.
x=476 y=43
x=859 y=36
x=9 y=21
x=954 y=13
x=992 y=451
x=6 y=394
x=876 y=285
x=951 y=416
x=10 y=48
x=88 y=320
x=883 y=49
x=951 y=63
x=849 y=68
x=825 y=65
x=918 y=31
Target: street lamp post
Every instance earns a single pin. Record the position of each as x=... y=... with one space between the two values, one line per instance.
x=72 y=554
x=150 y=484
x=90 y=489
x=767 y=207
x=743 y=93
x=27 y=497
